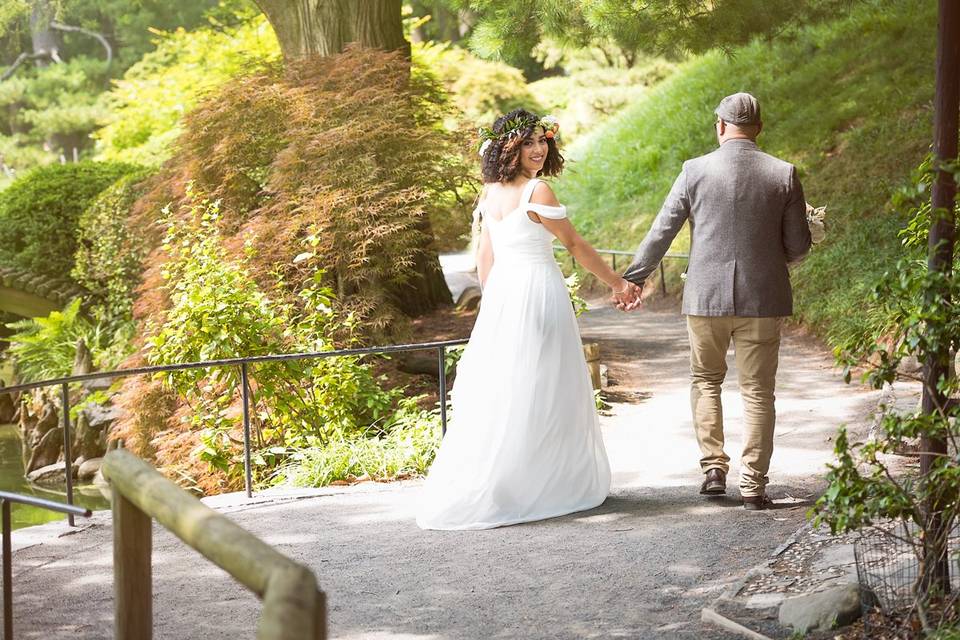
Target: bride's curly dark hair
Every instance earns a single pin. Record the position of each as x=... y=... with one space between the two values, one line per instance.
x=501 y=160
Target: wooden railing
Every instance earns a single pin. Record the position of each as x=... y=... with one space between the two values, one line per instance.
x=293 y=607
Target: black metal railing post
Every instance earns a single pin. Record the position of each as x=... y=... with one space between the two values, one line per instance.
x=245 y=393
x=6 y=499
x=442 y=363
x=663 y=280
x=7 y=573
x=67 y=442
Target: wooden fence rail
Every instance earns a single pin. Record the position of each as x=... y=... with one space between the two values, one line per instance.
x=293 y=607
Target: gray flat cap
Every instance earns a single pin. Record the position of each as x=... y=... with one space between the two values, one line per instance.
x=740 y=108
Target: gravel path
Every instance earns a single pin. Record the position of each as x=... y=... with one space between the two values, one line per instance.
x=640 y=566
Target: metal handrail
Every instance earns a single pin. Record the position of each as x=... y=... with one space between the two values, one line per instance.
x=613 y=253
x=6 y=498
x=65 y=382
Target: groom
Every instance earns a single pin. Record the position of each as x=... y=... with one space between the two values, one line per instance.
x=747 y=219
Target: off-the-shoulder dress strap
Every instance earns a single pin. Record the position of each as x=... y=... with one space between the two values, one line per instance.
x=527 y=192
x=545 y=210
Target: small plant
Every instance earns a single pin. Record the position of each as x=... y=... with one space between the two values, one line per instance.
x=916 y=315
x=44 y=348
x=573 y=288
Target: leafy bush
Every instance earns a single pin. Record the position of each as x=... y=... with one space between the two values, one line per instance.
x=44 y=348
x=39 y=213
x=146 y=107
x=348 y=151
x=108 y=261
x=406 y=448
x=595 y=84
x=913 y=313
x=218 y=311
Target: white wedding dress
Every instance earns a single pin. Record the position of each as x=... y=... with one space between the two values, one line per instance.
x=524 y=439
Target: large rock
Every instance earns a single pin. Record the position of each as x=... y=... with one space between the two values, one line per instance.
x=54 y=474
x=89 y=469
x=38 y=419
x=822 y=610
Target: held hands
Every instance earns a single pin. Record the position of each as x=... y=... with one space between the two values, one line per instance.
x=626 y=295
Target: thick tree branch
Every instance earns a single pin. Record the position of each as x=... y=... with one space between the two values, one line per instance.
x=93 y=34
x=23 y=57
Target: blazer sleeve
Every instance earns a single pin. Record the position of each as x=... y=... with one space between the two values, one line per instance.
x=796 y=231
x=666 y=226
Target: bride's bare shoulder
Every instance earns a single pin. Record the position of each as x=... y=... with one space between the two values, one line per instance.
x=543 y=194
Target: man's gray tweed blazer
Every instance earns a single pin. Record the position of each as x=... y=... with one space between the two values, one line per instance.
x=747 y=219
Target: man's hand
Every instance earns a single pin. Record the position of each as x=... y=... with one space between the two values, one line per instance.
x=626 y=296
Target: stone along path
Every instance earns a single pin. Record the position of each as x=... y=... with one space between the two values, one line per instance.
x=640 y=566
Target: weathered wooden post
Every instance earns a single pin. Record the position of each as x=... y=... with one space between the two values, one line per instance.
x=133 y=580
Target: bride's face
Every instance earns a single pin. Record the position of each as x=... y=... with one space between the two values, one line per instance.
x=533 y=152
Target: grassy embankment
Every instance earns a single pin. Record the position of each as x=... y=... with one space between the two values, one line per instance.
x=849 y=102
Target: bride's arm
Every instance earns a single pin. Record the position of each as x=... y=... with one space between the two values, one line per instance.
x=484 y=255
x=580 y=249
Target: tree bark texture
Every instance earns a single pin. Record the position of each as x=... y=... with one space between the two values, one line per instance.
x=324 y=27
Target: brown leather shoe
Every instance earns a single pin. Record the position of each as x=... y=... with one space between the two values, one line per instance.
x=756 y=503
x=714 y=484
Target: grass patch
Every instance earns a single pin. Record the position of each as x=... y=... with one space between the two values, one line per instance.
x=849 y=102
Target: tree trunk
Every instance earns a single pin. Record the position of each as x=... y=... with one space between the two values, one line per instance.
x=940 y=258
x=46 y=42
x=325 y=27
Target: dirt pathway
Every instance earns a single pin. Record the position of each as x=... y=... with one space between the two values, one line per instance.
x=640 y=566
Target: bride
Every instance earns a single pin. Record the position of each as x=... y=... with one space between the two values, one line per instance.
x=524 y=440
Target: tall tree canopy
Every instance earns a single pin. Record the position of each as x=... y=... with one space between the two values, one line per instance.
x=511 y=28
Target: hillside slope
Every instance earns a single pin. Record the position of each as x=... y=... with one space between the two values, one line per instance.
x=848 y=102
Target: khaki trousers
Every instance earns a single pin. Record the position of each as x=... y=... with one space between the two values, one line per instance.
x=756 y=342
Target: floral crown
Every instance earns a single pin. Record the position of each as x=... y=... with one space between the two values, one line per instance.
x=515 y=127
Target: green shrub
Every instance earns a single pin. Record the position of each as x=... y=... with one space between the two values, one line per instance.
x=44 y=348
x=217 y=311
x=39 y=213
x=109 y=254
x=405 y=449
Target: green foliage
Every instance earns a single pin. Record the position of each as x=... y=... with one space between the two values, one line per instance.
x=50 y=112
x=348 y=150
x=406 y=448
x=596 y=83
x=573 y=288
x=918 y=318
x=217 y=311
x=39 y=213
x=52 y=109
x=44 y=348
x=109 y=254
x=847 y=102
x=147 y=106
x=480 y=89
x=510 y=29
